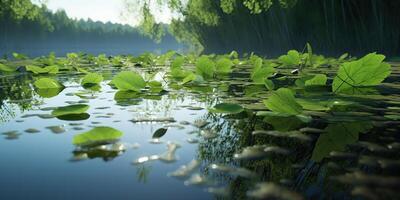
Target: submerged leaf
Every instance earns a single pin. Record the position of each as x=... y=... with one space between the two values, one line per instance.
x=367 y=71
x=336 y=138
x=128 y=80
x=97 y=135
x=283 y=101
x=72 y=109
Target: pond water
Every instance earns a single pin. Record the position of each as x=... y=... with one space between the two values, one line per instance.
x=347 y=153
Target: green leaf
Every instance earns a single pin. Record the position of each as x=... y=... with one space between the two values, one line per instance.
x=128 y=80
x=48 y=93
x=205 y=67
x=178 y=62
x=53 y=69
x=319 y=79
x=97 y=135
x=91 y=79
x=261 y=73
x=283 y=101
x=5 y=68
x=291 y=59
x=189 y=78
x=19 y=56
x=224 y=66
x=336 y=138
x=269 y=84
x=367 y=71
x=70 y=110
x=47 y=83
x=227 y=108
x=283 y=122
x=159 y=133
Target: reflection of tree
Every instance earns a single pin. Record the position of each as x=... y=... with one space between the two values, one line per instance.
x=17 y=91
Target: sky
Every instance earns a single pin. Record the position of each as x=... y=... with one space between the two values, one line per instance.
x=101 y=10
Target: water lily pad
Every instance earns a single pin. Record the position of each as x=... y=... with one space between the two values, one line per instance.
x=128 y=80
x=91 y=79
x=48 y=93
x=224 y=65
x=291 y=59
x=228 y=108
x=47 y=83
x=97 y=135
x=70 y=110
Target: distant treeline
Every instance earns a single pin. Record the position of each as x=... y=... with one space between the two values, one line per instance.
x=272 y=27
x=30 y=28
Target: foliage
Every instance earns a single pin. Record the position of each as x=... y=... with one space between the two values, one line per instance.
x=70 y=110
x=97 y=135
x=92 y=79
x=128 y=80
x=47 y=83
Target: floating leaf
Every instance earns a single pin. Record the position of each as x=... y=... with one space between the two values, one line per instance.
x=6 y=68
x=53 y=69
x=189 y=78
x=97 y=135
x=48 y=93
x=159 y=133
x=269 y=84
x=47 y=83
x=224 y=65
x=291 y=59
x=283 y=101
x=319 y=79
x=74 y=117
x=205 y=67
x=91 y=79
x=228 y=108
x=336 y=138
x=284 y=122
x=178 y=62
x=261 y=73
x=367 y=71
x=72 y=109
x=128 y=80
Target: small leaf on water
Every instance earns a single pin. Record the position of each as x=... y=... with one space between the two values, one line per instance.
x=283 y=101
x=97 y=135
x=128 y=80
x=159 y=133
x=91 y=79
x=291 y=59
x=319 y=79
x=72 y=109
x=47 y=83
x=228 y=108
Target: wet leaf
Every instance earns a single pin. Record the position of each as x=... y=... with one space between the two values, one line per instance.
x=97 y=135
x=6 y=68
x=128 y=80
x=228 y=108
x=367 y=71
x=224 y=66
x=72 y=109
x=47 y=83
x=53 y=69
x=205 y=67
x=291 y=59
x=48 y=93
x=319 y=79
x=283 y=101
x=91 y=79
x=159 y=133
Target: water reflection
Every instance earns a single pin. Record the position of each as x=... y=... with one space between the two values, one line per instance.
x=347 y=152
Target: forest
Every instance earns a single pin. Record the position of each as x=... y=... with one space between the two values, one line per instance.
x=200 y=99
